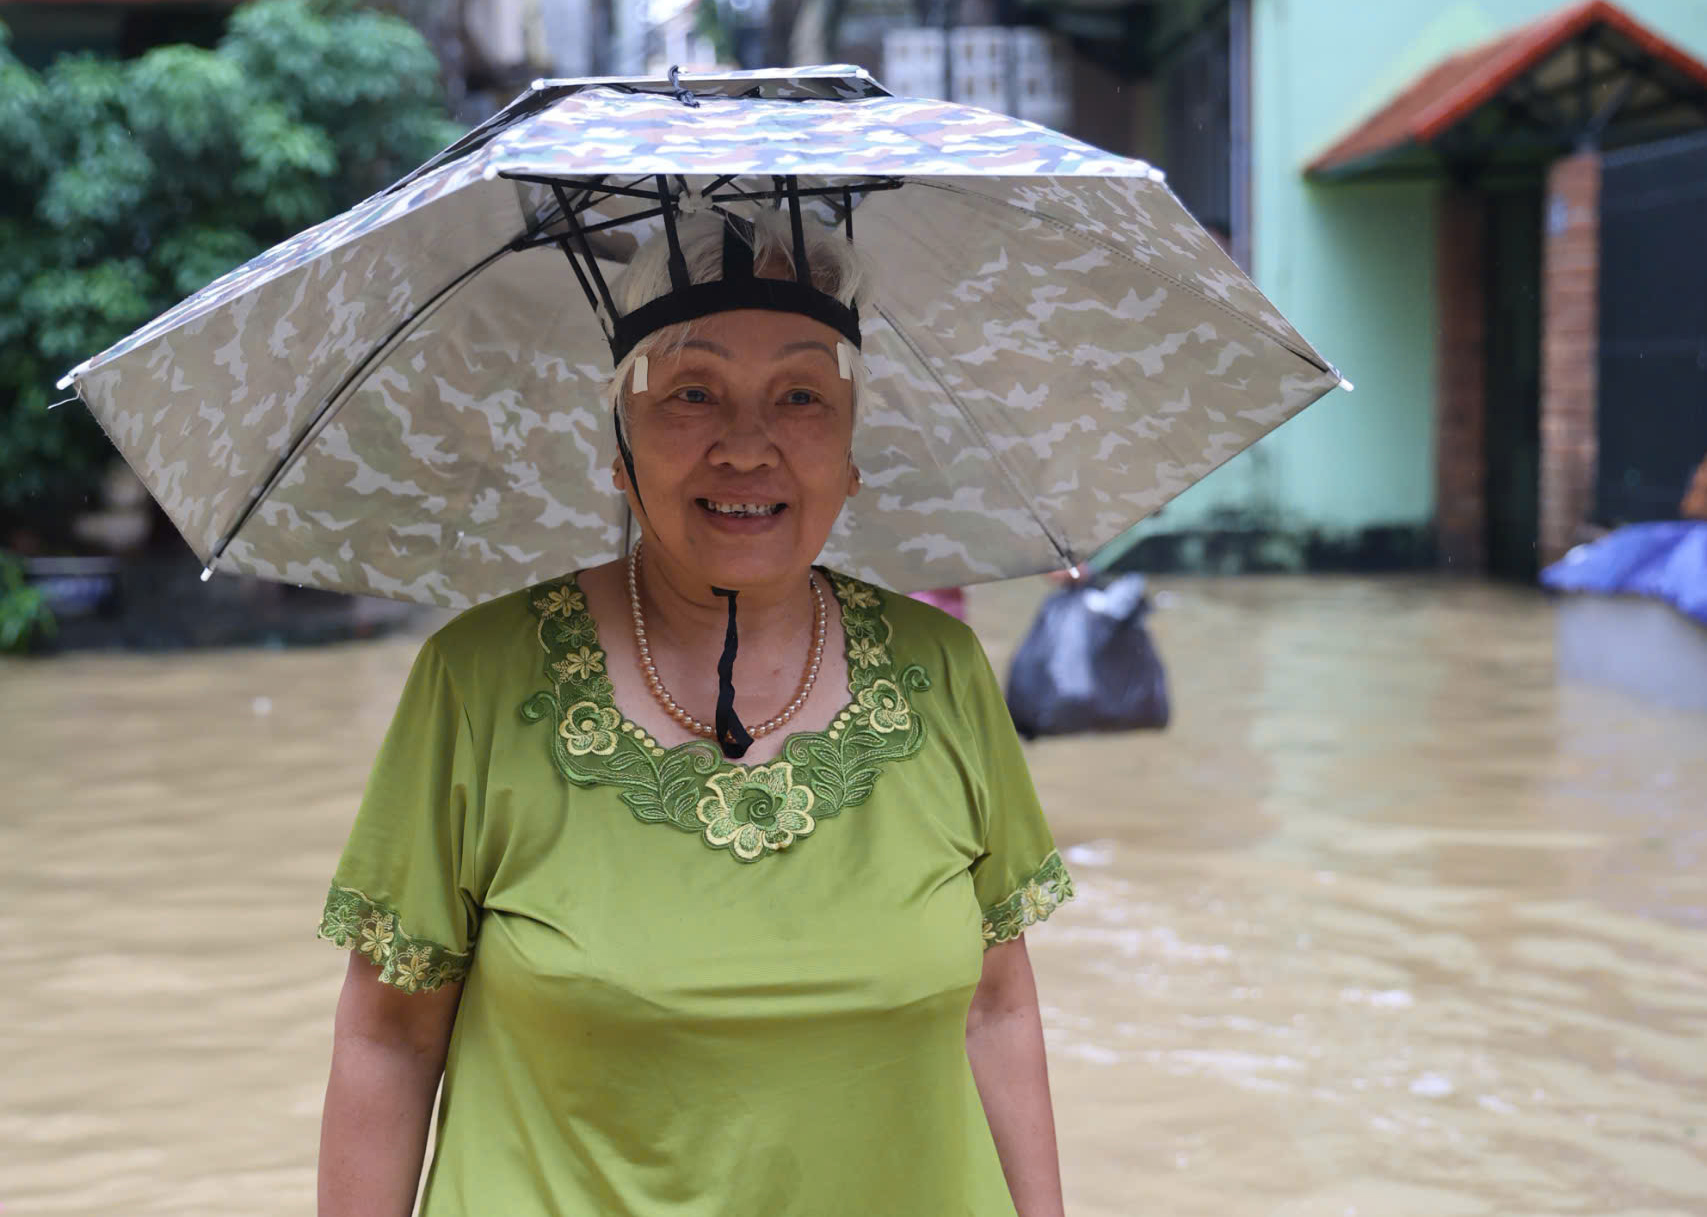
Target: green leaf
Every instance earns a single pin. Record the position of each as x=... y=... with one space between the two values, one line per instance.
x=126 y=185
x=23 y=100
x=192 y=257
x=74 y=310
x=179 y=101
x=105 y=184
x=23 y=610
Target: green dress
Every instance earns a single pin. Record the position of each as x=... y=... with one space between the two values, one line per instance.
x=694 y=988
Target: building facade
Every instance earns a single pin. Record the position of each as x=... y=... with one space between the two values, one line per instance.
x=1463 y=296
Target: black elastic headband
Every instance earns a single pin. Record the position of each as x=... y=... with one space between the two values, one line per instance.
x=722 y=296
x=738 y=288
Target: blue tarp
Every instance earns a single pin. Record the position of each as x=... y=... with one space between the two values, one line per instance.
x=1665 y=560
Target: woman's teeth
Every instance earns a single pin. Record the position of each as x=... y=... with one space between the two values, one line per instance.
x=742 y=509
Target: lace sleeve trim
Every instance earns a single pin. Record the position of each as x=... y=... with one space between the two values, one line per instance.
x=1047 y=890
x=353 y=921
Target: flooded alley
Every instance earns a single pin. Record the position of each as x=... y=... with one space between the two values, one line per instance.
x=1387 y=924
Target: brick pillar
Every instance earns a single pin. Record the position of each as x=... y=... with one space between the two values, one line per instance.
x=1570 y=335
x=1460 y=453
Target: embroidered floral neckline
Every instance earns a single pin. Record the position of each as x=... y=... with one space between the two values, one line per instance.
x=752 y=811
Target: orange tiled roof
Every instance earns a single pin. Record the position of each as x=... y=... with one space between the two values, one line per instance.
x=1456 y=87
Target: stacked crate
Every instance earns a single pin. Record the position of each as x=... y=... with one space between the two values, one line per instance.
x=979 y=69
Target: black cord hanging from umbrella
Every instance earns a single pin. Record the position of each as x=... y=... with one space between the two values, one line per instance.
x=732 y=734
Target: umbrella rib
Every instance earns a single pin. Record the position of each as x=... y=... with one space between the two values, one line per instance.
x=335 y=401
x=594 y=198
x=869 y=187
x=604 y=187
x=542 y=237
x=598 y=191
x=1065 y=552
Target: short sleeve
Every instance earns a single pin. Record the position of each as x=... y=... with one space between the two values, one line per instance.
x=402 y=893
x=1019 y=878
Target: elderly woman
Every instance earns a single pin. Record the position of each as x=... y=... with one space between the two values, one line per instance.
x=778 y=973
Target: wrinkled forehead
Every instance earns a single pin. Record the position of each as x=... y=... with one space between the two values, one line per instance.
x=757 y=337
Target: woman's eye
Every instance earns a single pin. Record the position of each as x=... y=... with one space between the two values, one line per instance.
x=800 y=397
x=694 y=396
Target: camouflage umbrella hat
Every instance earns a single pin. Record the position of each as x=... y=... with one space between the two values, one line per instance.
x=406 y=400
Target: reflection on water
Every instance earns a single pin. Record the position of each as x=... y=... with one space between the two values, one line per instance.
x=1386 y=924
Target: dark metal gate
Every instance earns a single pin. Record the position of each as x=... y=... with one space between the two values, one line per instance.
x=1512 y=379
x=1653 y=328
x=1197 y=125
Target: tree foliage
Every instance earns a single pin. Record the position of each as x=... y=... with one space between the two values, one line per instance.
x=126 y=185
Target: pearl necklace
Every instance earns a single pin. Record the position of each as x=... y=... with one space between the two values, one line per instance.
x=649 y=670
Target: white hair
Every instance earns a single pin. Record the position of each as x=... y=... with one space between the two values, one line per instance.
x=837 y=270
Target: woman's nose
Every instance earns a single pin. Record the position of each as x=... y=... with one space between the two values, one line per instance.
x=746 y=442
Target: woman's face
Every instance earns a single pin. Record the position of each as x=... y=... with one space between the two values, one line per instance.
x=741 y=445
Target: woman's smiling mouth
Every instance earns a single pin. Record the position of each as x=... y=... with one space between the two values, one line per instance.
x=741 y=511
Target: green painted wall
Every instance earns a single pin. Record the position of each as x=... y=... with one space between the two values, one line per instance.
x=1352 y=266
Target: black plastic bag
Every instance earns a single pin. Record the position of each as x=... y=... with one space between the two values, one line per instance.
x=1088 y=664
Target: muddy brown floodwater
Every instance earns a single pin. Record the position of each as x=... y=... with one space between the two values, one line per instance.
x=1386 y=924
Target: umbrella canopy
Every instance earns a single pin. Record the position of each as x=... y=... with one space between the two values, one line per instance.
x=407 y=400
